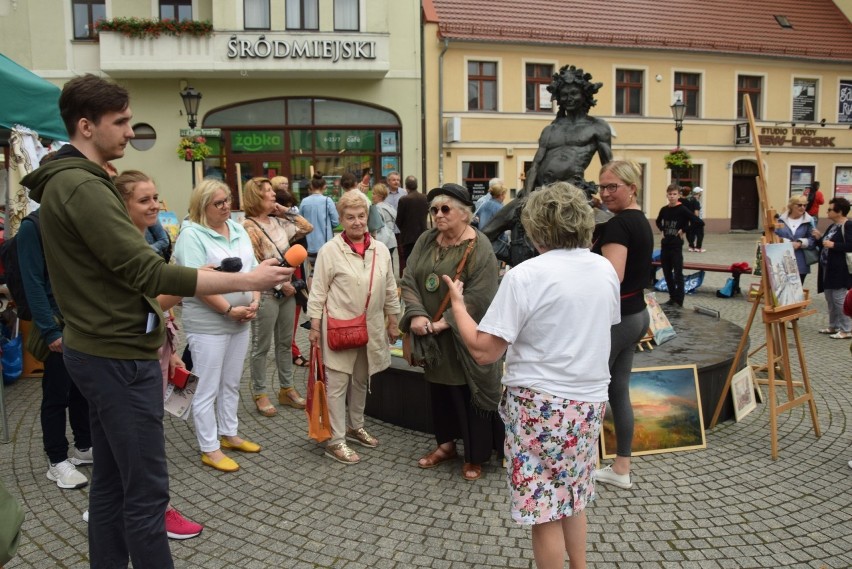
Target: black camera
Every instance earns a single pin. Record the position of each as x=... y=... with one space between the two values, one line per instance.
x=301 y=293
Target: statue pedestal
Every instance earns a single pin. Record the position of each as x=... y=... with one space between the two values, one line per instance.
x=399 y=395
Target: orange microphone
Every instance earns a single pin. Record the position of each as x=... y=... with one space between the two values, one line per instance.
x=294 y=256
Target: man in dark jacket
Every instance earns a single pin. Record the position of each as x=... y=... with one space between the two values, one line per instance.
x=58 y=392
x=105 y=279
x=411 y=215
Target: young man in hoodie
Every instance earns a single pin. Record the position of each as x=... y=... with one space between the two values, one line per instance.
x=105 y=279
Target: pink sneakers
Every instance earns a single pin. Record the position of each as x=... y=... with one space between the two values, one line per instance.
x=178 y=527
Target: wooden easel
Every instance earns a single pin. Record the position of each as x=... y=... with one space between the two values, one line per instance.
x=775 y=321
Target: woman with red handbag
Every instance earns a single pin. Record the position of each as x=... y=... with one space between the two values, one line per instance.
x=353 y=306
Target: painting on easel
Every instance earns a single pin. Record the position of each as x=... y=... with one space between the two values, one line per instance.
x=783 y=274
x=667 y=411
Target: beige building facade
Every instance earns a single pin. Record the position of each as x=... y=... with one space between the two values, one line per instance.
x=486 y=107
x=288 y=86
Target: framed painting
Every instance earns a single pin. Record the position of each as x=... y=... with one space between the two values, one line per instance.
x=742 y=392
x=666 y=409
x=783 y=274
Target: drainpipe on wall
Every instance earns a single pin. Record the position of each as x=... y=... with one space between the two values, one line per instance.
x=423 y=138
x=441 y=112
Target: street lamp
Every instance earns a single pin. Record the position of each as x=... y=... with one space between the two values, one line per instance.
x=191 y=100
x=678 y=112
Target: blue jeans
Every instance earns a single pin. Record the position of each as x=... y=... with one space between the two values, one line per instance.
x=130 y=482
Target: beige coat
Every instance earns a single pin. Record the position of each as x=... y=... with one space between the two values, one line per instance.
x=341 y=278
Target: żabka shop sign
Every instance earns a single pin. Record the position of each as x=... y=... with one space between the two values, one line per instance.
x=333 y=50
x=775 y=136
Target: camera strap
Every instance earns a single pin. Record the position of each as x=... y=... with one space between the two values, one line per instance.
x=259 y=226
x=275 y=291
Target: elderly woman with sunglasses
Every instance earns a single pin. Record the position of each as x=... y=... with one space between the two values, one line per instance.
x=464 y=394
x=797 y=227
x=217 y=326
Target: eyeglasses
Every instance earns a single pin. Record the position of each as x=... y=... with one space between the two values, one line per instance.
x=801 y=205
x=445 y=209
x=609 y=187
x=221 y=204
x=829 y=210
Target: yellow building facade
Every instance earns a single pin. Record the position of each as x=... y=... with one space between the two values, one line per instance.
x=288 y=86
x=482 y=96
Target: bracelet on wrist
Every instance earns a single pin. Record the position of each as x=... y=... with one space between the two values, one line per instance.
x=228 y=311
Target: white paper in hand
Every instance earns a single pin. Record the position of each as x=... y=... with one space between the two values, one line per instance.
x=178 y=402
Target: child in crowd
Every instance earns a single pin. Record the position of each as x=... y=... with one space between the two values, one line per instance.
x=673 y=220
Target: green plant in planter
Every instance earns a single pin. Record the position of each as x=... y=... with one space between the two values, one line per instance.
x=678 y=159
x=148 y=28
x=193 y=148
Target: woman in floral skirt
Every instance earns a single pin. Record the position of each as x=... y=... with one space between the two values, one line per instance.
x=556 y=377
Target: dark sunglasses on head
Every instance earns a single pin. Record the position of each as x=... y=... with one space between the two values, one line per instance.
x=445 y=209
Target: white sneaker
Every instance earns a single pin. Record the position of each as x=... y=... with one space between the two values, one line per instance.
x=608 y=476
x=81 y=456
x=86 y=516
x=66 y=475
x=850 y=464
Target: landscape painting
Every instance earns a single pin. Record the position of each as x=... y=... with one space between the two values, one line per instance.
x=666 y=409
x=783 y=274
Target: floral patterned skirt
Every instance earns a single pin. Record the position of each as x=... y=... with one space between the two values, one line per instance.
x=551 y=451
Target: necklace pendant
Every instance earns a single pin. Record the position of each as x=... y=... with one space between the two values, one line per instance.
x=433 y=282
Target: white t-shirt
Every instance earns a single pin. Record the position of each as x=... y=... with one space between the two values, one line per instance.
x=556 y=310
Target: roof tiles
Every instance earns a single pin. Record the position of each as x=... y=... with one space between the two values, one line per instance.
x=820 y=30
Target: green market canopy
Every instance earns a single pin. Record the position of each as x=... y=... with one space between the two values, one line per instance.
x=29 y=101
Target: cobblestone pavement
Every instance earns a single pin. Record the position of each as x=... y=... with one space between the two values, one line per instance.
x=729 y=505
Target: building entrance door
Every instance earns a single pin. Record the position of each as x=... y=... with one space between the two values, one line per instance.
x=745 y=203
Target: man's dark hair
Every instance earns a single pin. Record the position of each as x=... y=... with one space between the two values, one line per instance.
x=840 y=205
x=90 y=97
x=347 y=180
x=411 y=183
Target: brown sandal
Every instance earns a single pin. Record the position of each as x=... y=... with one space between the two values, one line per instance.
x=267 y=410
x=469 y=468
x=436 y=457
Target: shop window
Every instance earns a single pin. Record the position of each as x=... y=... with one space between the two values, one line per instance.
x=804 y=100
x=476 y=175
x=688 y=84
x=176 y=10
x=689 y=178
x=144 y=137
x=346 y=15
x=801 y=177
x=481 y=86
x=628 y=91
x=538 y=77
x=749 y=85
x=256 y=14
x=86 y=14
x=302 y=15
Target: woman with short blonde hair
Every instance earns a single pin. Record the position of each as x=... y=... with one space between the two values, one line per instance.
x=556 y=383
x=217 y=329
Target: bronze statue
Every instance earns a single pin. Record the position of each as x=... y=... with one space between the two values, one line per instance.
x=565 y=149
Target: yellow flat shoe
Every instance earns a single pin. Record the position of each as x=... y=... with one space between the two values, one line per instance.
x=225 y=464
x=245 y=446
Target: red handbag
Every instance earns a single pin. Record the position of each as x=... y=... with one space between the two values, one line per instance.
x=351 y=333
x=316 y=406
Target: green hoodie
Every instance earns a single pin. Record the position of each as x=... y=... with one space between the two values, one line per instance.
x=104 y=274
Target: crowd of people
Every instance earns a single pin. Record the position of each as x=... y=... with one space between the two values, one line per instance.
x=499 y=380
